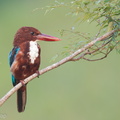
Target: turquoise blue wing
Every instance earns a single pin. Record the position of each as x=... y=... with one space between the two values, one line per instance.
x=12 y=56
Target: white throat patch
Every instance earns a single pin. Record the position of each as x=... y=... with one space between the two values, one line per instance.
x=33 y=53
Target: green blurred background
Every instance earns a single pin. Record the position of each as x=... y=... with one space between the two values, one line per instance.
x=74 y=91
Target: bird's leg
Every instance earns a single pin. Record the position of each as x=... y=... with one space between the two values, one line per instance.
x=38 y=73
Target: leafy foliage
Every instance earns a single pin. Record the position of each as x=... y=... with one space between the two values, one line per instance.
x=106 y=13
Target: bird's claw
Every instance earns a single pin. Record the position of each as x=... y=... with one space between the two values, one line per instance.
x=22 y=82
x=38 y=73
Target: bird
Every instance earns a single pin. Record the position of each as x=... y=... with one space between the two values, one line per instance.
x=24 y=59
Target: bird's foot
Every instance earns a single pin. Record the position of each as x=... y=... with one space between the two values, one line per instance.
x=38 y=73
x=22 y=82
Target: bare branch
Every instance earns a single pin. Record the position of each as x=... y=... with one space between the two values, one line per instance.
x=55 y=65
x=91 y=52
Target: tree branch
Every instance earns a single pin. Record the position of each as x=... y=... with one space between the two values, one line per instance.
x=55 y=65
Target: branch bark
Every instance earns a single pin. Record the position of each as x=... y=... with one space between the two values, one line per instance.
x=55 y=65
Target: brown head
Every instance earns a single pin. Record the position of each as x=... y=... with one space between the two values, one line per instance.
x=25 y=34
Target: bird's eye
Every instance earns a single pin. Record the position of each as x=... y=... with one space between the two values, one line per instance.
x=32 y=33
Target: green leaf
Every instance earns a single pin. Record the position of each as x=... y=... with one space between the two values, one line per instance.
x=54 y=58
x=107 y=0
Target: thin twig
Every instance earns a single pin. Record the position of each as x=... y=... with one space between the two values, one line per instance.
x=79 y=34
x=99 y=58
x=91 y=52
x=55 y=65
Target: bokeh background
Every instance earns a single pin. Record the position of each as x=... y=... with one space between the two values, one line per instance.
x=76 y=90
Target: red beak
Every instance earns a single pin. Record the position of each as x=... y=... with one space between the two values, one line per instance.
x=47 y=37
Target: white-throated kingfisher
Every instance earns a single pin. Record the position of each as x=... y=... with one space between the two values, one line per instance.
x=24 y=59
